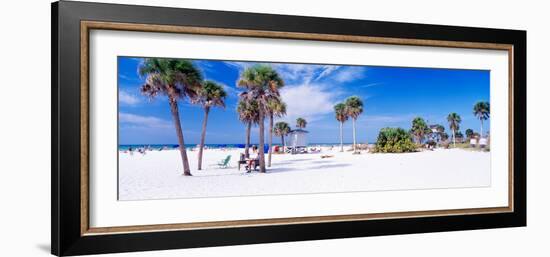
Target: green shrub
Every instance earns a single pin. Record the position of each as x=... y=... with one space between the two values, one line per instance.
x=394 y=140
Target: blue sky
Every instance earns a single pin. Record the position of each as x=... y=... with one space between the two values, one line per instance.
x=392 y=97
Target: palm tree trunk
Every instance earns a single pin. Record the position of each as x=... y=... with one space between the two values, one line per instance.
x=261 y=141
x=203 y=135
x=179 y=133
x=270 y=140
x=481 y=130
x=354 y=141
x=454 y=138
x=341 y=137
x=283 y=142
x=247 y=145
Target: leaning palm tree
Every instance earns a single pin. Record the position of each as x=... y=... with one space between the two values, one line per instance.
x=482 y=112
x=281 y=129
x=454 y=124
x=276 y=108
x=262 y=84
x=301 y=123
x=177 y=79
x=341 y=114
x=248 y=114
x=354 y=107
x=210 y=95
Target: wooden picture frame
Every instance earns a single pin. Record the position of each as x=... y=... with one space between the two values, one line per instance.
x=71 y=25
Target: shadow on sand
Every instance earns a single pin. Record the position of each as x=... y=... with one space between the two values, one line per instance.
x=286 y=162
x=327 y=166
x=309 y=168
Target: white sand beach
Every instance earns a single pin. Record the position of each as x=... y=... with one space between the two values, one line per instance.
x=158 y=174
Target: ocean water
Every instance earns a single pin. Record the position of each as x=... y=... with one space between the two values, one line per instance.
x=211 y=146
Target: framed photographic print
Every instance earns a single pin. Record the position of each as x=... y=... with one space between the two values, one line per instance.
x=178 y=128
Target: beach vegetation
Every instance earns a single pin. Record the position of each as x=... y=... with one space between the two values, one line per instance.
x=354 y=108
x=301 y=123
x=248 y=114
x=177 y=79
x=469 y=133
x=341 y=115
x=419 y=129
x=262 y=84
x=394 y=140
x=276 y=109
x=281 y=129
x=211 y=94
x=482 y=112
x=454 y=124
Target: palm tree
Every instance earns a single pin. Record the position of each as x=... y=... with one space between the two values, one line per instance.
x=354 y=107
x=301 y=123
x=419 y=129
x=469 y=133
x=248 y=114
x=178 y=79
x=482 y=112
x=276 y=108
x=262 y=84
x=281 y=129
x=341 y=114
x=454 y=124
x=210 y=95
x=439 y=130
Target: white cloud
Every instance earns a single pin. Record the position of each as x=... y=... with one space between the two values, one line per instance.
x=349 y=73
x=328 y=69
x=307 y=101
x=143 y=121
x=296 y=73
x=238 y=65
x=307 y=92
x=127 y=98
x=371 y=85
x=388 y=118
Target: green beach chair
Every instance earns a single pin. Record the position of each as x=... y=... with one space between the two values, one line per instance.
x=224 y=163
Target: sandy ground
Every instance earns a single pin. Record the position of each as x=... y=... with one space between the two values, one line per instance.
x=157 y=174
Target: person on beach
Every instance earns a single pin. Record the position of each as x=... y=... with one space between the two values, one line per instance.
x=251 y=161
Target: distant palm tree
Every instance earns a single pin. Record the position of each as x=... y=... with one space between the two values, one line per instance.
x=262 y=84
x=248 y=114
x=354 y=107
x=482 y=112
x=301 y=123
x=454 y=124
x=439 y=130
x=281 y=129
x=210 y=95
x=419 y=129
x=276 y=108
x=177 y=79
x=341 y=115
x=469 y=133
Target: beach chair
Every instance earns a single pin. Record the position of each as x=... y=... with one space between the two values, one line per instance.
x=224 y=163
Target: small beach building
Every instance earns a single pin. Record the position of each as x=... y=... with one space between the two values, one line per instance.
x=297 y=139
